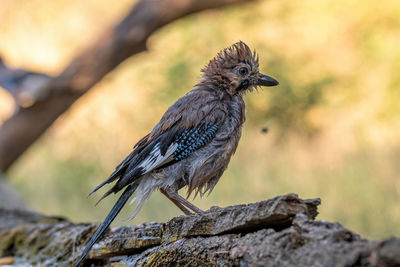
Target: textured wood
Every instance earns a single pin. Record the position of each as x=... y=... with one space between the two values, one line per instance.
x=278 y=232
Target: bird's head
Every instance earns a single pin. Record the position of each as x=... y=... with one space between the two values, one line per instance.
x=235 y=69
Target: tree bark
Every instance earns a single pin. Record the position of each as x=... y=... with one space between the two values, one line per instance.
x=114 y=46
x=276 y=232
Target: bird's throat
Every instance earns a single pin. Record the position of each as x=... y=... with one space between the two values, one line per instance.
x=243 y=85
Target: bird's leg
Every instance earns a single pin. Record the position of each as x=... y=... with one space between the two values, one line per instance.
x=175 y=201
x=183 y=201
x=188 y=204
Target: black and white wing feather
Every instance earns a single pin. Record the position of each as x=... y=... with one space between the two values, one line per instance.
x=170 y=147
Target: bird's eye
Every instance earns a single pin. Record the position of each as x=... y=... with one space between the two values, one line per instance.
x=243 y=71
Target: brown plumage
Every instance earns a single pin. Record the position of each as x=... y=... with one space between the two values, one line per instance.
x=218 y=71
x=194 y=140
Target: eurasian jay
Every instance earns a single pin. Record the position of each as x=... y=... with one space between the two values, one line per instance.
x=194 y=140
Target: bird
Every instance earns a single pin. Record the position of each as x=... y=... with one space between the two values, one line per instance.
x=26 y=87
x=193 y=142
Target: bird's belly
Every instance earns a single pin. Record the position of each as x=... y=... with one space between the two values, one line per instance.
x=204 y=168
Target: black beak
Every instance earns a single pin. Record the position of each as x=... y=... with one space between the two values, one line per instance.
x=265 y=80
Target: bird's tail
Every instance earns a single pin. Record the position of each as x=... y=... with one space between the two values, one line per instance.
x=110 y=217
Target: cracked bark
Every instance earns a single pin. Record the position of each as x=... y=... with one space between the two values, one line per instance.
x=276 y=232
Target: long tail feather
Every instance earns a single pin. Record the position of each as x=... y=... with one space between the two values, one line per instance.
x=110 y=217
x=100 y=186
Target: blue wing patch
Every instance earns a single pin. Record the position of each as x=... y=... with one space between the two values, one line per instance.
x=192 y=139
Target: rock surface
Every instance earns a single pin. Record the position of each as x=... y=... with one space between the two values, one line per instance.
x=276 y=232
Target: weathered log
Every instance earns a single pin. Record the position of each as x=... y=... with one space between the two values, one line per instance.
x=277 y=232
x=114 y=46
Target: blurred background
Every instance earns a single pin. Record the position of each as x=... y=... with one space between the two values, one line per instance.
x=333 y=123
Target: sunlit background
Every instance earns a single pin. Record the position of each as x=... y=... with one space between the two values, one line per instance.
x=333 y=123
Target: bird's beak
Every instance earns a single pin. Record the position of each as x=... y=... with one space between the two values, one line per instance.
x=265 y=80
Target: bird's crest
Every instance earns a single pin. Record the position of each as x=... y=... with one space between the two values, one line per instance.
x=231 y=56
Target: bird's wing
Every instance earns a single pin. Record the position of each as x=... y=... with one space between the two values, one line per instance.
x=186 y=126
x=170 y=147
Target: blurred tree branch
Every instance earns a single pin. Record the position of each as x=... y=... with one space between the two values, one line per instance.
x=114 y=46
